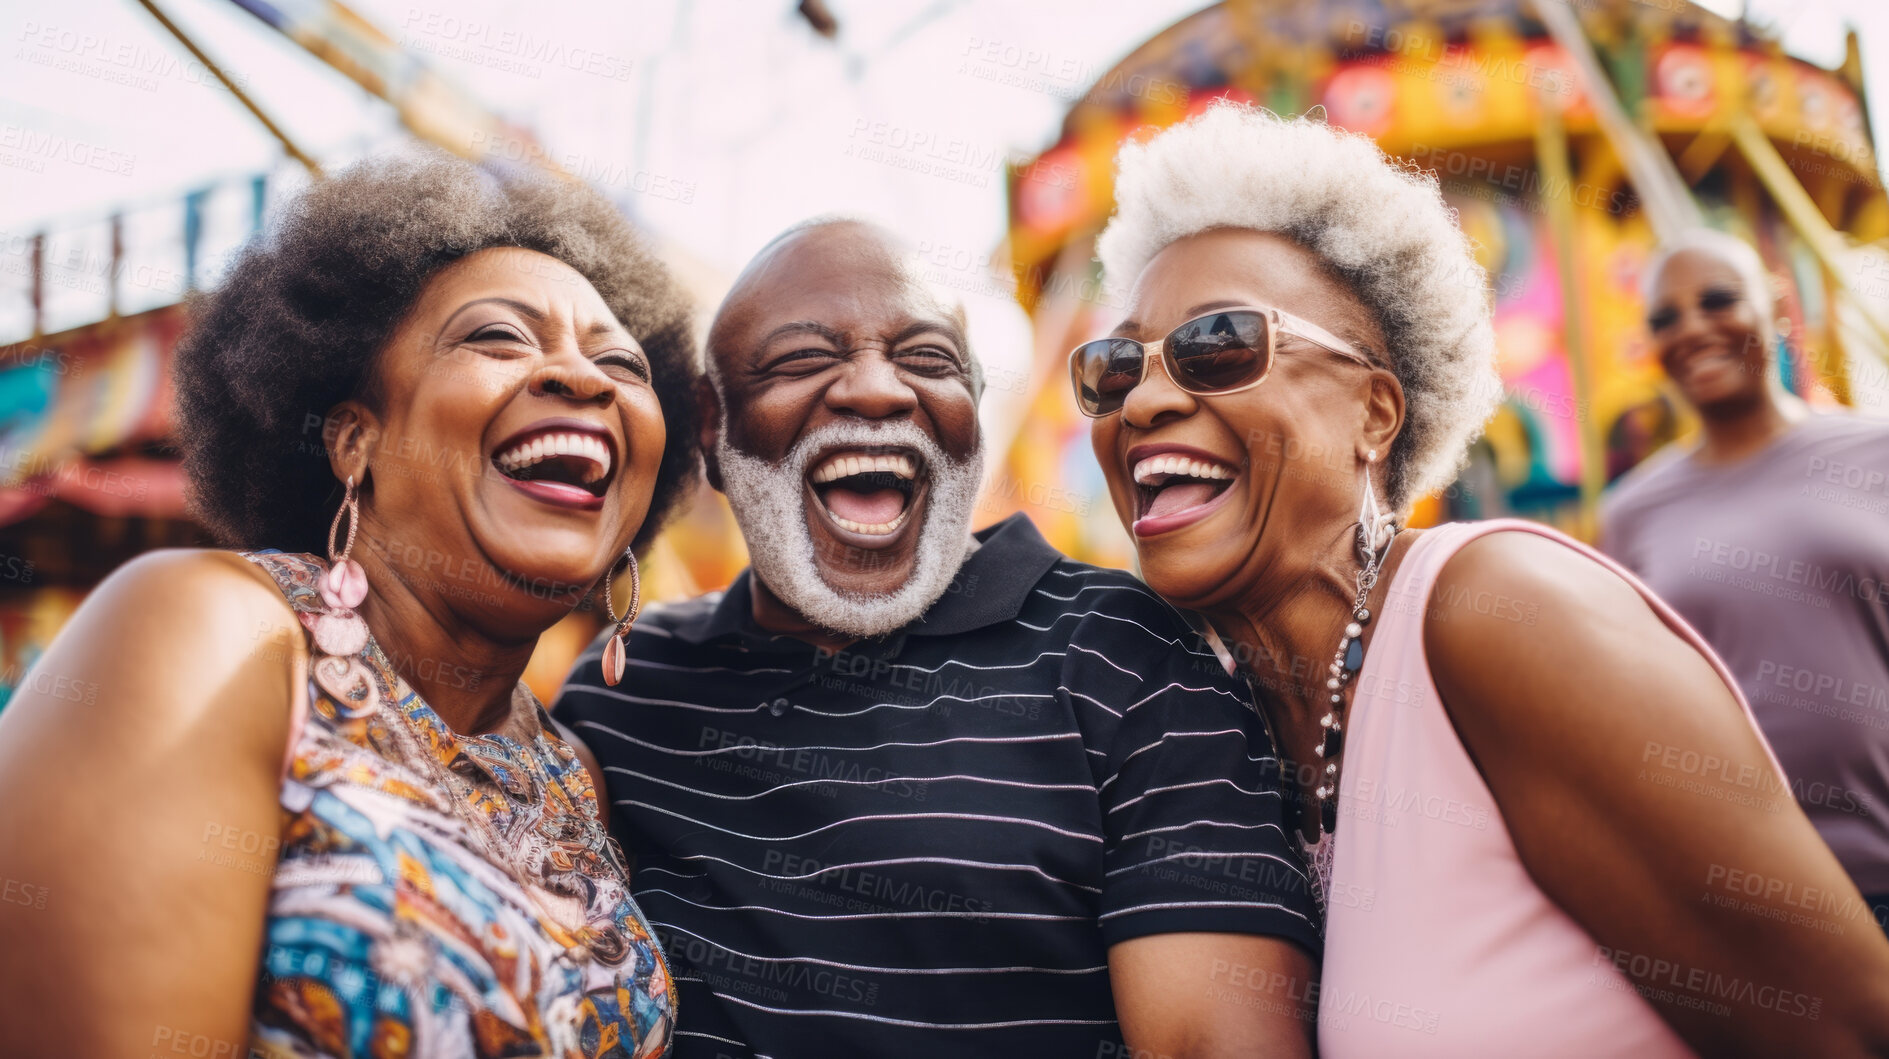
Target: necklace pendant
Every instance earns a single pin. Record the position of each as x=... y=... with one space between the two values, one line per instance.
x=349 y=684
x=338 y=632
x=344 y=586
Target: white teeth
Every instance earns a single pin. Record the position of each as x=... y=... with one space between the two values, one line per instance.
x=875 y=530
x=846 y=466
x=1154 y=467
x=544 y=446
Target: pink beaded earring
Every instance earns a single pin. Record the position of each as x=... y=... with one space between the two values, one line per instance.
x=340 y=633
x=614 y=659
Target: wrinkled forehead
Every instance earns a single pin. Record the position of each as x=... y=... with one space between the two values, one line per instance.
x=1228 y=266
x=852 y=279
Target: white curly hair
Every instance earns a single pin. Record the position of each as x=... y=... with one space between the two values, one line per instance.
x=1381 y=228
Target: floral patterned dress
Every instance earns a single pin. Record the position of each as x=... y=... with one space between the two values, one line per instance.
x=393 y=931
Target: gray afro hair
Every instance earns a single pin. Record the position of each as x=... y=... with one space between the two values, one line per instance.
x=1382 y=229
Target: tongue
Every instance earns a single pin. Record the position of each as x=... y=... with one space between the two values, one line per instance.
x=1180 y=497
x=872 y=508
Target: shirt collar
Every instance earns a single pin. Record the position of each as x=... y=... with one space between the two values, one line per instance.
x=990 y=587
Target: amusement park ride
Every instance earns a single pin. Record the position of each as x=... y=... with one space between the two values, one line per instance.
x=1568 y=137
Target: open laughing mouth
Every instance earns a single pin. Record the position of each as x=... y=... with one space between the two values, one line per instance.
x=566 y=463
x=1174 y=489
x=1700 y=361
x=868 y=494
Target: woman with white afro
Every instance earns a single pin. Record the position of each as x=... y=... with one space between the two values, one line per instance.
x=1538 y=815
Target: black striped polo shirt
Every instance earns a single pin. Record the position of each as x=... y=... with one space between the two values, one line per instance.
x=924 y=845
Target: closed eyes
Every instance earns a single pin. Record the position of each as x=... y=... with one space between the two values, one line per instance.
x=617 y=361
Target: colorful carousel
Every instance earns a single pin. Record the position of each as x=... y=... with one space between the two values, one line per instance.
x=1770 y=147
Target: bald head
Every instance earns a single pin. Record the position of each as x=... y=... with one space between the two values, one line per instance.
x=846 y=256
x=841 y=422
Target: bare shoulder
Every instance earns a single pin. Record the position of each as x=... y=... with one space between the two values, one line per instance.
x=1514 y=584
x=154 y=722
x=191 y=598
x=164 y=637
x=204 y=575
x=1513 y=612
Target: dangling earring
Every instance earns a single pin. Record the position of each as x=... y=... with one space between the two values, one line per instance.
x=1375 y=531
x=1375 y=527
x=340 y=632
x=614 y=659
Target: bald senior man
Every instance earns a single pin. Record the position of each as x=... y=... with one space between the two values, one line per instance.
x=906 y=791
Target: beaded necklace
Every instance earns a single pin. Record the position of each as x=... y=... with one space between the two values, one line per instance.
x=1373 y=547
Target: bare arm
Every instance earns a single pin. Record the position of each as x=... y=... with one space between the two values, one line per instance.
x=1642 y=801
x=1207 y=996
x=139 y=778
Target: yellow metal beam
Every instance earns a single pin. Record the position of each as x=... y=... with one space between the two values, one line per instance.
x=1831 y=248
x=1551 y=149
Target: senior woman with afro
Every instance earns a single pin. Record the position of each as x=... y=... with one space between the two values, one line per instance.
x=307 y=807
x=1532 y=798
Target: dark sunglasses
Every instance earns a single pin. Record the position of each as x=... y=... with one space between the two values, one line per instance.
x=1222 y=352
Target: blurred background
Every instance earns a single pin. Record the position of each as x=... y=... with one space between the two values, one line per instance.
x=142 y=141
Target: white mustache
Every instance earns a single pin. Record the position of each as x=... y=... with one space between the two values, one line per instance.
x=860 y=434
x=767 y=499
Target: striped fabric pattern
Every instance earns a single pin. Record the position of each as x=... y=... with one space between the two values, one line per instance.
x=925 y=845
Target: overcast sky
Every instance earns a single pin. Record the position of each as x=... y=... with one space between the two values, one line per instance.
x=734 y=99
x=716 y=122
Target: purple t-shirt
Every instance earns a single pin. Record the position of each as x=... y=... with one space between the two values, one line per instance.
x=1781 y=562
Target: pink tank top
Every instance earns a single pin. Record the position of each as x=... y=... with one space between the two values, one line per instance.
x=1437 y=941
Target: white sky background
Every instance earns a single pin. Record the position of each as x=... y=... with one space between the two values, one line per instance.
x=716 y=122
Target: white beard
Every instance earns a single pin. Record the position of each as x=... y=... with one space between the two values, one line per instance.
x=770 y=505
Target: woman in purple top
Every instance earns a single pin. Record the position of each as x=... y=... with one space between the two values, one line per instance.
x=1534 y=803
x=1770 y=535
